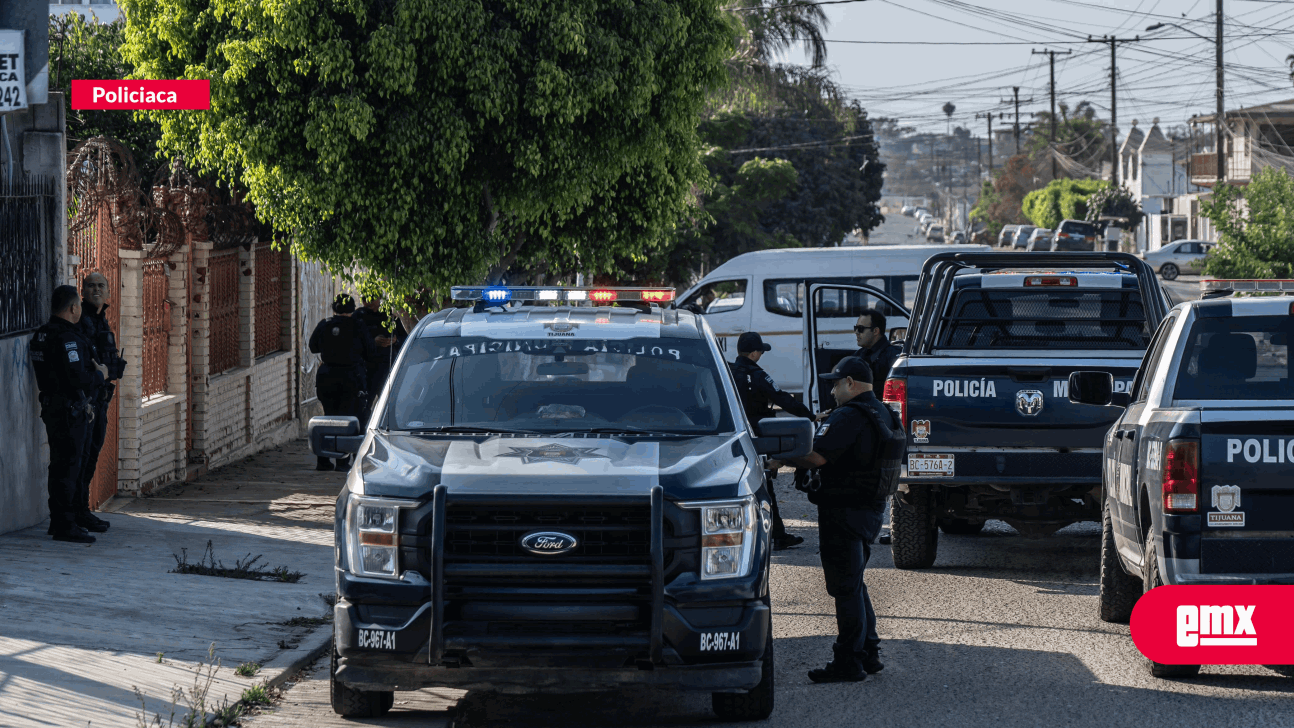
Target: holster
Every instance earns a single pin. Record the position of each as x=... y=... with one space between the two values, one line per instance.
x=106 y=392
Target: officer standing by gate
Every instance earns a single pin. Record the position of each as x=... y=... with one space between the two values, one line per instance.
x=850 y=492
x=344 y=344
x=68 y=379
x=95 y=330
x=387 y=343
x=758 y=395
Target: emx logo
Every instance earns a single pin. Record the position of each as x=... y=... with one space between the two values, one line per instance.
x=1215 y=625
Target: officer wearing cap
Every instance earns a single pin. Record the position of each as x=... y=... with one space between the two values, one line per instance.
x=96 y=331
x=68 y=379
x=758 y=395
x=873 y=347
x=851 y=506
x=344 y=344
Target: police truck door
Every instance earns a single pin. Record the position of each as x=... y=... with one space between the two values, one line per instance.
x=829 y=333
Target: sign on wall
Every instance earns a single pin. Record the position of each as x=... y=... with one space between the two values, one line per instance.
x=13 y=90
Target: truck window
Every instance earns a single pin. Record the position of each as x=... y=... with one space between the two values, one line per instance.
x=1243 y=357
x=1073 y=227
x=1021 y=318
x=1151 y=360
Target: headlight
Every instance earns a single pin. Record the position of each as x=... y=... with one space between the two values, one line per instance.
x=373 y=536
x=727 y=537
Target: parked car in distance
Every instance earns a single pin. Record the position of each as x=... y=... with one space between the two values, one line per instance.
x=957 y=238
x=1039 y=239
x=1005 y=237
x=935 y=234
x=907 y=210
x=1183 y=256
x=1075 y=236
x=1021 y=238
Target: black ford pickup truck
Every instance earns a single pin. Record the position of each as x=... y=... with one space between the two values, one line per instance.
x=556 y=498
x=981 y=388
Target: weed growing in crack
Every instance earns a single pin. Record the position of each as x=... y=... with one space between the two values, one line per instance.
x=244 y=568
x=198 y=712
x=247 y=669
x=256 y=695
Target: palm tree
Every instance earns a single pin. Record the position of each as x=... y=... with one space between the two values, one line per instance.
x=772 y=27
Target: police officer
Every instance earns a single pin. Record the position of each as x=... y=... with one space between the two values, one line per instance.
x=387 y=342
x=873 y=347
x=95 y=330
x=758 y=395
x=851 y=505
x=345 y=345
x=68 y=379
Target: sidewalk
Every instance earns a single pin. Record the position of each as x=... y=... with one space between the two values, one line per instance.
x=82 y=625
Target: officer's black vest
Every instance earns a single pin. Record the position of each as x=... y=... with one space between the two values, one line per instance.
x=881 y=478
x=337 y=344
x=755 y=408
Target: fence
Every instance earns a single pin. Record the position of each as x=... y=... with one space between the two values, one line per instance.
x=224 y=311
x=157 y=320
x=28 y=229
x=269 y=300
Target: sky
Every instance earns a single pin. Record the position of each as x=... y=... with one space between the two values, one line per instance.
x=899 y=59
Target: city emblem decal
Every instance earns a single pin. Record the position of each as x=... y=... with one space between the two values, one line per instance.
x=553 y=453
x=921 y=431
x=1226 y=498
x=1028 y=402
x=549 y=543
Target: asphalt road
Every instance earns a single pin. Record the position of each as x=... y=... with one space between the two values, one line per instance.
x=1002 y=632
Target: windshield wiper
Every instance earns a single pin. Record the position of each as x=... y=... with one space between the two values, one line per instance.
x=626 y=430
x=471 y=428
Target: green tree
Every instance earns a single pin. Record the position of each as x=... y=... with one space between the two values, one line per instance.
x=89 y=49
x=1112 y=202
x=1004 y=206
x=427 y=144
x=772 y=27
x=1061 y=199
x=1255 y=225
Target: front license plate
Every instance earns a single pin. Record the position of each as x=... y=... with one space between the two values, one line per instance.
x=922 y=464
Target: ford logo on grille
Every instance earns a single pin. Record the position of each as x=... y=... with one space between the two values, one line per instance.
x=548 y=543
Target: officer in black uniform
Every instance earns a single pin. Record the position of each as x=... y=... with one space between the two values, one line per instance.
x=68 y=379
x=387 y=342
x=95 y=330
x=851 y=506
x=345 y=345
x=873 y=347
x=758 y=395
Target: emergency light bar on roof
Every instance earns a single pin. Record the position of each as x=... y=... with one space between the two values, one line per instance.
x=1248 y=285
x=506 y=294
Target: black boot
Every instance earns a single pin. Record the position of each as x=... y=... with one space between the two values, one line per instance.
x=343 y=465
x=844 y=667
x=76 y=534
x=324 y=464
x=872 y=661
x=91 y=522
x=786 y=541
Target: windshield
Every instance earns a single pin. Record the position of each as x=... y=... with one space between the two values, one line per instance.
x=1087 y=230
x=1022 y=318
x=1243 y=357
x=541 y=385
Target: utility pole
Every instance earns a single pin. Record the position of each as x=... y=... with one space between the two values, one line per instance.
x=1114 y=105
x=1052 y=58
x=1016 y=91
x=1221 y=120
x=989 y=116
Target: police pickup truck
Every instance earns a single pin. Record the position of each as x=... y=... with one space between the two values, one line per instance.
x=1199 y=464
x=556 y=494
x=982 y=389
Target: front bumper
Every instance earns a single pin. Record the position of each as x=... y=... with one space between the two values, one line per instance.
x=500 y=632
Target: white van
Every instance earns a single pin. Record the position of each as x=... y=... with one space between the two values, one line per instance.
x=764 y=291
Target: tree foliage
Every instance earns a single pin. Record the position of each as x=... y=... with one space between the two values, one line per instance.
x=432 y=143
x=1061 y=199
x=1255 y=225
x=1116 y=203
x=88 y=49
x=1010 y=185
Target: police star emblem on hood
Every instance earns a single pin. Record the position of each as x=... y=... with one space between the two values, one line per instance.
x=553 y=453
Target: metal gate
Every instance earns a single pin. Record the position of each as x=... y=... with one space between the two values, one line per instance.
x=96 y=248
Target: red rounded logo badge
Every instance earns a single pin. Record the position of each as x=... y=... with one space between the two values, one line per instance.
x=1215 y=625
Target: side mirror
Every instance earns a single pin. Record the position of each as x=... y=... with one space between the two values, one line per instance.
x=335 y=437
x=898 y=334
x=785 y=437
x=1096 y=388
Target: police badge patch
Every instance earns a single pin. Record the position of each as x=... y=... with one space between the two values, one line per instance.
x=1226 y=498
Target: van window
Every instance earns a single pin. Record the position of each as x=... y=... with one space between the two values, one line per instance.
x=785 y=297
x=910 y=293
x=717 y=297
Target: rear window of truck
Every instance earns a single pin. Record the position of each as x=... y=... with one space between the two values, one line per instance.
x=1243 y=357
x=1008 y=318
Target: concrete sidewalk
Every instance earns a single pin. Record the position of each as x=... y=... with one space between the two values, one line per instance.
x=83 y=625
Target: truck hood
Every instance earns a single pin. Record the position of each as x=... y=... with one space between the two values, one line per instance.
x=410 y=466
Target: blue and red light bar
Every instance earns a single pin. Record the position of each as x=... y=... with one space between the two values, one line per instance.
x=556 y=294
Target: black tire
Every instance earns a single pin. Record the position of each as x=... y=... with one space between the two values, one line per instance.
x=1169 y=272
x=1119 y=590
x=1286 y=670
x=1151 y=578
x=350 y=703
x=755 y=704
x=960 y=526
x=913 y=533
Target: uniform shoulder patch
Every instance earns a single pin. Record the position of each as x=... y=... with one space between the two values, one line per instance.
x=69 y=345
x=73 y=356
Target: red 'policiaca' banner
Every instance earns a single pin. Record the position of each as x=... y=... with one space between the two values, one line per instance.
x=127 y=95
x=1215 y=625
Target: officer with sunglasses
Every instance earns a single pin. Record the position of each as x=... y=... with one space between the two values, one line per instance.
x=873 y=347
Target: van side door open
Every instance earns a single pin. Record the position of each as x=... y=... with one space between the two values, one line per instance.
x=829 y=332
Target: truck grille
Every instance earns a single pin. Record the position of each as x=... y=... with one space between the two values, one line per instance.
x=605 y=534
